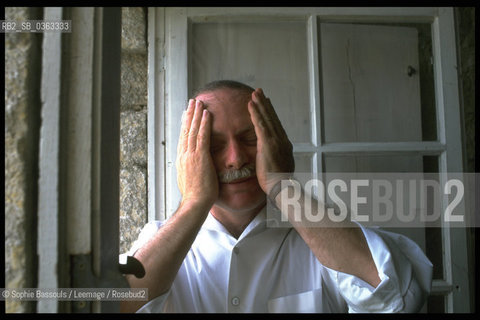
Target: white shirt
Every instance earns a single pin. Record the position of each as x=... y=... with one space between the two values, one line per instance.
x=272 y=270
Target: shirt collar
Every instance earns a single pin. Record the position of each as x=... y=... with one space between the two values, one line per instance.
x=261 y=222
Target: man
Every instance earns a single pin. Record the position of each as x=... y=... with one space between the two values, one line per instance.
x=216 y=253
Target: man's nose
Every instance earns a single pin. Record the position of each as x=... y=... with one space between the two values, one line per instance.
x=236 y=157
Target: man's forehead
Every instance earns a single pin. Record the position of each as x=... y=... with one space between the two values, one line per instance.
x=224 y=96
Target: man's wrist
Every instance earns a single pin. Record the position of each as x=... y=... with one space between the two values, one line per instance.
x=279 y=186
x=196 y=205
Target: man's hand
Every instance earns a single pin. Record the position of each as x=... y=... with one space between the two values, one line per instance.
x=274 y=149
x=342 y=249
x=196 y=175
x=163 y=255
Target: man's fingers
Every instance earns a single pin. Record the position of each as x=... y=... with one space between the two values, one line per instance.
x=257 y=120
x=270 y=110
x=186 y=122
x=203 y=138
x=267 y=114
x=263 y=116
x=195 y=126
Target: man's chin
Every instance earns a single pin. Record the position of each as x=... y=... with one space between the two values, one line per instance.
x=239 y=207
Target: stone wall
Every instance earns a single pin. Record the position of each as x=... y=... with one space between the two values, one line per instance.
x=22 y=112
x=133 y=126
x=22 y=120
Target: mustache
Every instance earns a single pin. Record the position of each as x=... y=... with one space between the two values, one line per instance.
x=232 y=175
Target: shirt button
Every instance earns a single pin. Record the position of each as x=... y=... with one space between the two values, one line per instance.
x=235 y=301
x=236 y=250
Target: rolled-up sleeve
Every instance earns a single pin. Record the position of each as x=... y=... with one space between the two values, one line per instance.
x=404 y=270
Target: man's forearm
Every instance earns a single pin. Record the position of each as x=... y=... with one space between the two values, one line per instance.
x=198 y=183
x=163 y=255
x=340 y=246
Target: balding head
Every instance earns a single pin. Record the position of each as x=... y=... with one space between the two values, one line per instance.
x=224 y=84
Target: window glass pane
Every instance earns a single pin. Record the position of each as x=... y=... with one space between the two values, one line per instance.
x=303 y=162
x=377 y=83
x=433 y=235
x=270 y=55
x=428 y=238
x=434 y=252
x=436 y=304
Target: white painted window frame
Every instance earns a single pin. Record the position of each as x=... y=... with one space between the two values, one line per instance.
x=156 y=115
x=168 y=65
x=48 y=238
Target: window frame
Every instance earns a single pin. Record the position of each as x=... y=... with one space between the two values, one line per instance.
x=169 y=62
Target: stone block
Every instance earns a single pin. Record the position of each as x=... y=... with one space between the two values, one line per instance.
x=134 y=80
x=134 y=29
x=133 y=204
x=133 y=138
